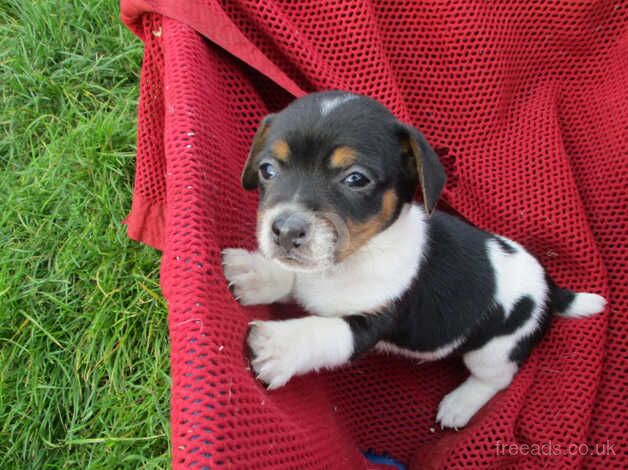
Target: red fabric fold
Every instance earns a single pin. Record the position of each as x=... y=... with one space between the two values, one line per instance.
x=146 y=221
x=527 y=104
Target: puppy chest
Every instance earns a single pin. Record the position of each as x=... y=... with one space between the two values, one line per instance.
x=342 y=295
x=367 y=281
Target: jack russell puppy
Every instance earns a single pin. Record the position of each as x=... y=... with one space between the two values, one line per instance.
x=339 y=233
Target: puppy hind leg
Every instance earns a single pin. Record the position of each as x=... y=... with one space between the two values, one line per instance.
x=491 y=371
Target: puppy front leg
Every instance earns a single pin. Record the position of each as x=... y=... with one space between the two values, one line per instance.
x=254 y=279
x=283 y=349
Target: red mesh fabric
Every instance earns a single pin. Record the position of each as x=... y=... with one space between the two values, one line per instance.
x=527 y=103
x=146 y=222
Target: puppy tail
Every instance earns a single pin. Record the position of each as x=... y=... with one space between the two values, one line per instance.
x=569 y=304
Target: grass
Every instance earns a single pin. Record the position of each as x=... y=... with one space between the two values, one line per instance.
x=84 y=372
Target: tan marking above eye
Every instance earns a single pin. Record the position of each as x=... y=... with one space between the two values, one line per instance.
x=359 y=234
x=280 y=149
x=343 y=157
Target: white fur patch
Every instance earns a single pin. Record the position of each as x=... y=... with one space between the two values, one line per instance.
x=254 y=279
x=443 y=351
x=286 y=348
x=376 y=274
x=517 y=274
x=330 y=104
x=584 y=304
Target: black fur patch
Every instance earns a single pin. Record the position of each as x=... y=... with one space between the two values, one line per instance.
x=524 y=347
x=560 y=299
x=361 y=124
x=499 y=325
x=453 y=294
x=368 y=329
x=366 y=127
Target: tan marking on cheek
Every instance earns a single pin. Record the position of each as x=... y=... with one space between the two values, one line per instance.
x=360 y=234
x=342 y=157
x=280 y=150
x=389 y=204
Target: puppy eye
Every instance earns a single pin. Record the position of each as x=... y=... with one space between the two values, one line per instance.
x=356 y=180
x=267 y=171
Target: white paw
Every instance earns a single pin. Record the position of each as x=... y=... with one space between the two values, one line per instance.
x=459 y=406
x=282 y=349
x=276 y=350
x=253 y=279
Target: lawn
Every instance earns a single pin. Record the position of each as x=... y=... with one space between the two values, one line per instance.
x=84 y=371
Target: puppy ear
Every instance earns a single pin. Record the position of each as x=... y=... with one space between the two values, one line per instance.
x=423 y=166
x=249 y=173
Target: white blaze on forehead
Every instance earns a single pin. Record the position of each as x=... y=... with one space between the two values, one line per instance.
x=329 y=104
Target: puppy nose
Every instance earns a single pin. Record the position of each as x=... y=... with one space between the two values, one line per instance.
x=290 y=230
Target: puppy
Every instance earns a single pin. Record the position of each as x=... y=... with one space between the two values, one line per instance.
x=339 y=233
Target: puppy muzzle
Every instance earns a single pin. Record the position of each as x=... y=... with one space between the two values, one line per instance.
x=298 y=238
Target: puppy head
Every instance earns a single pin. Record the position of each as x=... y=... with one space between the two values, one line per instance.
x=333 y=170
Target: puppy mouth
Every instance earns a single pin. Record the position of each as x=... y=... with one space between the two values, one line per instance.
x=295 y=260
x=307 y=258
x=304 y=254
x=313 y=249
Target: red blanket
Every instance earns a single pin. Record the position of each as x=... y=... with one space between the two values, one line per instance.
x=526 y=102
